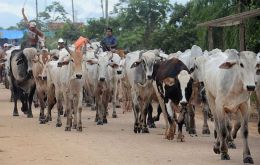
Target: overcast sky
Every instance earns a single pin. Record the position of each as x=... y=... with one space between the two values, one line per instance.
x=10 y=10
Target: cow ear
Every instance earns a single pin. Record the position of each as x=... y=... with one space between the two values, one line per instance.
x=113 y=65
x=227 y=65
x=258 y=72
x=135 y=64
x=91 y=62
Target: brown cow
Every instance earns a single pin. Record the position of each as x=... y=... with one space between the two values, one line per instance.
x=41 y=80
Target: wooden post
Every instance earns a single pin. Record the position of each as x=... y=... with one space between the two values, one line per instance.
x=242 y=36
x=210 y=38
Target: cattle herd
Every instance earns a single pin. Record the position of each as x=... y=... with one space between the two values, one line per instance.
x=220 y=82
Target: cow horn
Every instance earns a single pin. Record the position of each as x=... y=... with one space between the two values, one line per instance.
x=157 y=52
x=141 y=53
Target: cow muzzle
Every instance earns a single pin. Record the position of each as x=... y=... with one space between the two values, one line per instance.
x=30 y=73
x=102 y=79
x=250 y=87
x=184 y=103
x=119 y=72
x=149 y=77
x=78 y=76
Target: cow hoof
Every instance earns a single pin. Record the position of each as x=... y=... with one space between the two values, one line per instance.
x=216 y=149
x=61 y=112
x=139 y=130
x=74 y=126
x=67 y=128
x=99 y=122
x=96 y=119
x=36 y=105
x=180 y=138
x=152 y=125
x=93 y=108
x=79 y=128
x=118 y=106
x=206 y=131
x=65 y=114
x=105 y=121
x=192 y=131
x=155 y=118
x=42 y=121
x=145 y=130
x=135 y=130
x=114 y=115
x=15 y=114
x=58 y=124
x=29 y=115
x=225 y=156
x=231 y=145
x=248 y=160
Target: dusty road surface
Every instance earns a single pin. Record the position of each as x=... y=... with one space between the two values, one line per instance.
x=24 y=141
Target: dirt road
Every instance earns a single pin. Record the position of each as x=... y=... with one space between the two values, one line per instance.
x=24 y=141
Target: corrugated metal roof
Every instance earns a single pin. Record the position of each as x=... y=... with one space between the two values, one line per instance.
x=12 y=34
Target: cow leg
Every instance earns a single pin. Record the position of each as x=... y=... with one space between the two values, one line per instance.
x=15 y=96
x=222 y=131
x=36 y=100
x=230 y=139
x=159 y=111
x=244 y=132
x=258 y=104
x=144 y=116
x=59 y=108
x=180 y=121
x=171 y=116
x=24 y=100
x=30 y=100
x=205 y=129
x=79 y=106
x=51 y=100
x=163 y=108
x=150 y=121
x=191 y=111
x=66 y=107
x=237 y=125
x=99 y=111
x=75 y=110
x=258 y=110
x=114 y=115
x=69 y=116
x=41 y=96
x=136 y=114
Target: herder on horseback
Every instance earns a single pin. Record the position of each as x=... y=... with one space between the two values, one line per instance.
x=34 y=34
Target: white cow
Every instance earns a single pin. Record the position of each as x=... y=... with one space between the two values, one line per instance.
x=139 y=70
x=105 y=83
x=258 y=90
x=57 y=84
x=229 y=80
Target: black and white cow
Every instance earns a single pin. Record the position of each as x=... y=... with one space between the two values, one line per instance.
x=173 y=86
x=22 y=82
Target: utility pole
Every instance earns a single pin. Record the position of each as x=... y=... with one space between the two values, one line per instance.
x=36 y=3
x=73 y=18
x=106 y=13
x=102 y=7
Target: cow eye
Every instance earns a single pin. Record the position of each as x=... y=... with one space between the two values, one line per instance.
x=241 y=65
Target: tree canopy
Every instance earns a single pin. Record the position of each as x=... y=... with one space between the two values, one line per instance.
x=139 y=24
